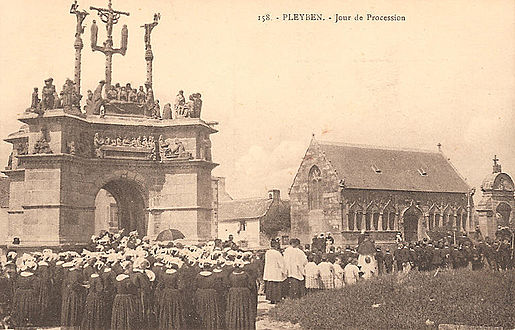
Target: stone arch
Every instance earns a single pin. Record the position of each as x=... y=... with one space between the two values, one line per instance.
x=372 y=217
x=354 y=215
x=129 y=189
x=434 y=215
x=389 y=214
x=448 y=217
x=503 y=212
x=411 y=216
x=314 y=188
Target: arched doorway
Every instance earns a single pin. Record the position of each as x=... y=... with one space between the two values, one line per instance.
x=503 y=210
x=120 y=204
x=411 y=218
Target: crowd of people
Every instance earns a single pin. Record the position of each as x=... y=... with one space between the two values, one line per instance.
x=321 y=265
x=127 y=282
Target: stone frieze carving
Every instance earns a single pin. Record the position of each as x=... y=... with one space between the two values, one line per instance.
x=141 y=147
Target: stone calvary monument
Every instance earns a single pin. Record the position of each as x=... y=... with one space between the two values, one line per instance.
x=157 y=166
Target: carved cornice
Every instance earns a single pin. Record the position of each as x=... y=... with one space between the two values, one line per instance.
x=59 y=158
x=96 y=120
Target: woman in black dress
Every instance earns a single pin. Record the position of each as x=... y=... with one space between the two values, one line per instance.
x=171 y=309
x=26 y=304
x=72 y=296
x=124 y=314
x=240 y=313
x=94 y=314
x=206 y=298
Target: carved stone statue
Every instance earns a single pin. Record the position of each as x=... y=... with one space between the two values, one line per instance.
x=141 y=96
x=149 y=101
x=190 y=106
x=71 y=148
x=89 y=100
x=97 y=100
x=97 y=143
x=125 y=37
x=35 y=100
x=156 y=110
x=68 y=91
x=94 y=34
x=42 y=145
x=179 y=104
x=81 y=15
x=206 y=149
x=167 y=111
x=197 y=106
x=171 y=148
x=148 y=30
x=48 y=95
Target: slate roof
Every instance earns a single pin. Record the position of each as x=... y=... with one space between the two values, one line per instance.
x=243 y=209
x=400 y=169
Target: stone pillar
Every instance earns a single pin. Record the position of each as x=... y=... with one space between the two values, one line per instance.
x=380 y=222
x=78 y=48
x=149 y=56
x=108 y=68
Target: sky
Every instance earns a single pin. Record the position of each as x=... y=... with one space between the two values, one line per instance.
x=445 y=75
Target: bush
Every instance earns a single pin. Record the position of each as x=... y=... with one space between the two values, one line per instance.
x=407 y=301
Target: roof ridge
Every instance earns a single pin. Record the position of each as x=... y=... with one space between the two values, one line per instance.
x=368 y=146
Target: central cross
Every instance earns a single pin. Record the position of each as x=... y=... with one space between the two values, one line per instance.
x=110 y=17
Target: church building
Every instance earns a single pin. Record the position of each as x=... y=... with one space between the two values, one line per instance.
x=346 y=189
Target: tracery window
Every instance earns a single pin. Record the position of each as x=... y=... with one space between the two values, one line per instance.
x=314 y=188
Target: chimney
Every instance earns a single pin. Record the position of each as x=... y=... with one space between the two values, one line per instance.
x=274 y=194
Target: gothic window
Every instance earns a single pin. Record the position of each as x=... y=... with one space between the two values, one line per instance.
x=368 y=221
x=359 y=219
x=375 y=219
x=351 y=217
x=391 y=220
x=437 y=220
x=447 y=220
x=434 y=217
x=314 y=189
x=372 y=218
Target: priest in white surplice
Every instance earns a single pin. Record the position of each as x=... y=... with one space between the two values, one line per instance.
x=295 y=260
x=274 y=273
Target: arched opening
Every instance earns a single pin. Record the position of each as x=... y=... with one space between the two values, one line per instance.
x=315 y=189
x=411 y=218
x=120 y=204
x=503 y=214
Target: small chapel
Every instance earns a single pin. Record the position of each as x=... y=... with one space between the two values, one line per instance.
x=346 y=189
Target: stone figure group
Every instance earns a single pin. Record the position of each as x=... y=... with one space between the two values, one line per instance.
x=127 y=93
x=67 y=98
x=161 y=149
x=42 y=145
x=183 y=109
x=95 y=101
x=171 y=148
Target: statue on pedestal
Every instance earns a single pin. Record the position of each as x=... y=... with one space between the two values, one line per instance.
x=68 y=91
x=179 y=105
x=197 y=105
x=34 y=105
x=97 y=101
x=48 y=95
x=156 y=110
x=167 y=111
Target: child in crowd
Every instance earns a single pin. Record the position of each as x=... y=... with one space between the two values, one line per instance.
x=338 y=274
x=326 y=273
x=312 y=274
